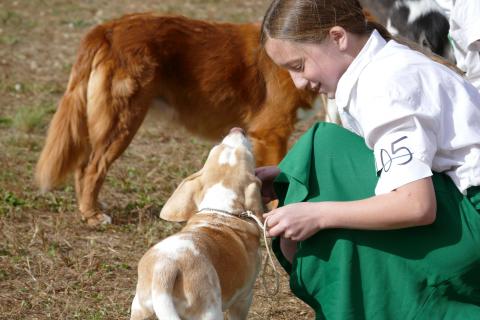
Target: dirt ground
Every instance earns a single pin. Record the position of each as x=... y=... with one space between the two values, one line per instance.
x=51 y=265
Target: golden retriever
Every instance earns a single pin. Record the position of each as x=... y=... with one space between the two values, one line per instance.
x=214 y=75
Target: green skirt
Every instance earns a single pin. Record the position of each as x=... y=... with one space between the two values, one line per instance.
x=428 y=272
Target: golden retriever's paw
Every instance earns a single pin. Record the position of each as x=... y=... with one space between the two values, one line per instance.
x=98 y=219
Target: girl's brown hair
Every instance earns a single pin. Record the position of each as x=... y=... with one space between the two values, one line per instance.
x=310 y=20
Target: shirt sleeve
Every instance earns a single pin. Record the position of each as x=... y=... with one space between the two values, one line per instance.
x=401 y=157
x=466 y=14
x=398 y=123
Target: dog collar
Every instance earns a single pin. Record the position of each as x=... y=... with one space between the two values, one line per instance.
x=243 y=214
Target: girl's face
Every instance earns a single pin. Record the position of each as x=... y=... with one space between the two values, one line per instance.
x=313 y=66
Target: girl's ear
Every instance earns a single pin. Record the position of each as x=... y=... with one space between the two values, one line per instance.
x=182 y=205
x=339 y=36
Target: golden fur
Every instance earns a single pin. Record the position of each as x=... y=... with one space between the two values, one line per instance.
x=214 y=75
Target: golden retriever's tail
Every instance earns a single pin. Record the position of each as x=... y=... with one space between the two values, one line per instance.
x=67 y=143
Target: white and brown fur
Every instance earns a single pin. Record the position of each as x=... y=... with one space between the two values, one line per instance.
x=210 y=266
x=214 y=76
x=423 y=22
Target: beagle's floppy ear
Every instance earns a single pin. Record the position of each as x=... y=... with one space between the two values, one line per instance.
x=181 y=205
x=253 y=197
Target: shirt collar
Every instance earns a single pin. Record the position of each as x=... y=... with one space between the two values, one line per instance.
x=348 y=80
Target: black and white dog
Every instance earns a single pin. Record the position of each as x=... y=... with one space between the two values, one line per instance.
x=424 y=22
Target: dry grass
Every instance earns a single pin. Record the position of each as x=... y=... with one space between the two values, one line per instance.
x=51 y=265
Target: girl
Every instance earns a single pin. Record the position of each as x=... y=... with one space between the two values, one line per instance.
x=379 y=221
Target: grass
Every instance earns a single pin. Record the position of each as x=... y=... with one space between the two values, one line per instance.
x=10 y=18
x=31 y=118
x=51 y=265
x=8 y=40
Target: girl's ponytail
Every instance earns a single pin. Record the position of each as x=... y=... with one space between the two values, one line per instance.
x=373 y=24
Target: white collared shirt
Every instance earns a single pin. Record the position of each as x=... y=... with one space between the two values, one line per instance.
x=465 y=35
x=464 y=19
x=445 y=5
x=418 y=116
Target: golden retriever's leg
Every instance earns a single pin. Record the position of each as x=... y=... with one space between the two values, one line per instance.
x=270 y=138
x=108 y=143
x=270 y=130
x=89 y=181
x=268 y=149
x=79 y=175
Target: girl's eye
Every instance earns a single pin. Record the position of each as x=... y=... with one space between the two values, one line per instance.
x=298 y=67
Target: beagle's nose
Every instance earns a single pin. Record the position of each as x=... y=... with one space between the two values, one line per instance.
x=236 y=129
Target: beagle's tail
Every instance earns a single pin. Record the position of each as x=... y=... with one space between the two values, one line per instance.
x=162 y=292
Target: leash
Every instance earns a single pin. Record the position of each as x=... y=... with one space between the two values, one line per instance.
x=263 y=228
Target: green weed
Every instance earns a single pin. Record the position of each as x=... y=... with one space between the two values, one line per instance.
x=9 y=40
x=12 y=200
x=29 y=118
x=5 y=122
x=77 y=24
x=11 y=18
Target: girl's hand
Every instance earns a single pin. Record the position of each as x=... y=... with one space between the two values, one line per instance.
x=297 y=221
x=411 y=205
x=267 y=175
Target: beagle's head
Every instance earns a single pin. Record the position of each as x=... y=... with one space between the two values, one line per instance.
x=226 y=182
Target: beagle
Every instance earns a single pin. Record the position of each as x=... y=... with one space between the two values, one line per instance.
x=210 y=266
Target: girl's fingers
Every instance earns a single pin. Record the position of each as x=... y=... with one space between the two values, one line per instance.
x=272 y=227
x=274 y=231
x=269 y=221
x=268 y=214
